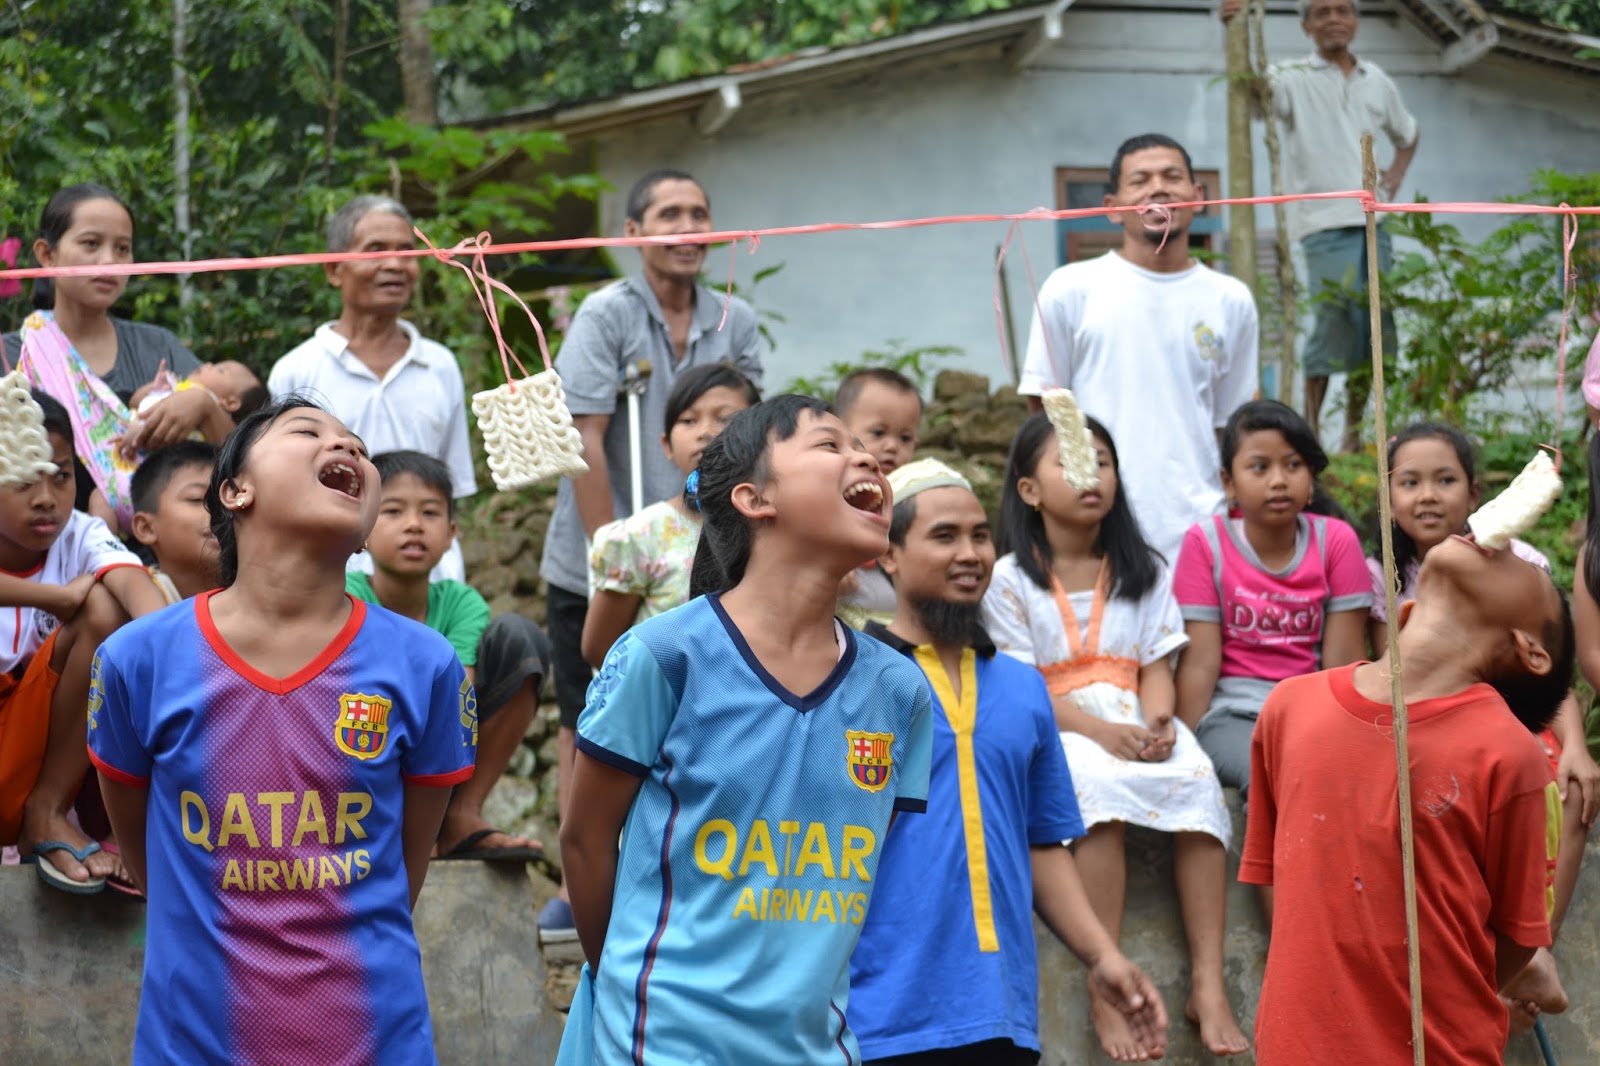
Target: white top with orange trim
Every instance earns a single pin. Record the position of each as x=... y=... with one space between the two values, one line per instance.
x=85 y=546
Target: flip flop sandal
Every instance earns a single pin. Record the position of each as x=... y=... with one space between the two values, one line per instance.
x=467 y=849
x=58 y=880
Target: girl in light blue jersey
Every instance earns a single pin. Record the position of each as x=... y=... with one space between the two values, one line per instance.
x=751 y=751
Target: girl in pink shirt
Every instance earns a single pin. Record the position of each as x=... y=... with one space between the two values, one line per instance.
x=1267 y=595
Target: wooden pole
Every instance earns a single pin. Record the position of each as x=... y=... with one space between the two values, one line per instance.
x=1408 y=857
x=1241 y=166
x=1288 y=296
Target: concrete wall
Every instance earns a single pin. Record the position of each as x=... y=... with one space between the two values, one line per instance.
x=70 y=969
x=964 y=134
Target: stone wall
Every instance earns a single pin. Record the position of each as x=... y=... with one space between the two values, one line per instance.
x=70 y=969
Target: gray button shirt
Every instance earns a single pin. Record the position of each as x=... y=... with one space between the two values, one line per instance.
x=613 y=329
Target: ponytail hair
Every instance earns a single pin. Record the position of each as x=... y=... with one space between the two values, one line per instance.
x=734 y=457
x=230 y=462
x=57 y=219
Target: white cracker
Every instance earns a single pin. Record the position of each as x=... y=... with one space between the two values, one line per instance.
x=1516 y=509
x=1079 y=465
x=528 y=433
x=24 y=445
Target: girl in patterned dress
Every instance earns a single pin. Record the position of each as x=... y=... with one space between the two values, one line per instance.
x=1083 y=597
x=639 y=565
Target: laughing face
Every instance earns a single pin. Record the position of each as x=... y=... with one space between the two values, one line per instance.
x=307 y=476
x=676 y=207
x=823 y=480
x=948 y=553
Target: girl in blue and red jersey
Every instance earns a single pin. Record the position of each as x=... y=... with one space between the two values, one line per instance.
x=276 y=758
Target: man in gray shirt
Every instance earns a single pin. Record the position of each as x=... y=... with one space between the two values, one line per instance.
x=663 y=317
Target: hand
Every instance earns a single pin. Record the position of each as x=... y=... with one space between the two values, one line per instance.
x=70 y=597
x=849 y=586
x=1163 y=735
x=1127 y=988
x=1389 y=184
x=1126 y=742
x=1229 y=9
x=169 y=421
x=101 y=508
x=1575 y=769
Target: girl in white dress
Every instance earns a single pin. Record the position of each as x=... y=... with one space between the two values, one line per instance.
x=1081 y=596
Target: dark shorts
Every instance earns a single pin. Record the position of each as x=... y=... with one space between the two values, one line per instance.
x=988 y=1053
x=565 y=613
x=511 y=651
x=1341 y=330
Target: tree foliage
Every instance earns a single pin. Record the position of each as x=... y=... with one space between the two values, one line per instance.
x=1579 y=16
x=294 y=110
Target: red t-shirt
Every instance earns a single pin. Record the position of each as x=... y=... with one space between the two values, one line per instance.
x=1324 y=829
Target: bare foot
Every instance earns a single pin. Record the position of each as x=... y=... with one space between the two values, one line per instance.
x=1538 y=983
x=1112 y=1029
x=1523 y=1015
x=1219 y=1030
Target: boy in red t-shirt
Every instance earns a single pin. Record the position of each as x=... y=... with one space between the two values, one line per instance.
x=1487 y=656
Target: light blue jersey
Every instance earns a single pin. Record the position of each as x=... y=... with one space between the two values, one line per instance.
x=749 y=855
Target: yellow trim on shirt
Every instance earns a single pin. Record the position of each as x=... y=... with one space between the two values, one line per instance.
x=1553 y=816
x=963 y=716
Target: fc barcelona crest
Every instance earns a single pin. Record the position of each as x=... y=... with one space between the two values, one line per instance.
x=868 y=758
x=363 y=725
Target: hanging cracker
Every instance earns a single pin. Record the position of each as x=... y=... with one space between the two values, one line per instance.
x=1079 y=464
x=1516 y=509
x=528 y=433
x=24 y=445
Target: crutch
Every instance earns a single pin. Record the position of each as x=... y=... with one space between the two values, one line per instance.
x=634 y=380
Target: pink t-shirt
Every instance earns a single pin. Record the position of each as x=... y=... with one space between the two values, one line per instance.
x=1271 y=621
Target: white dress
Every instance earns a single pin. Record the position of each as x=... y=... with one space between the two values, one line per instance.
x=1098 y=665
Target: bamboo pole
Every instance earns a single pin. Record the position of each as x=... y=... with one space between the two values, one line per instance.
x=1241 y=166
x=1408 y=857
x=1288 y=295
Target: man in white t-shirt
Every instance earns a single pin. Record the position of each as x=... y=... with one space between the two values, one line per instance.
x=1325 y=102
x=395 y=389
x=1157 y=346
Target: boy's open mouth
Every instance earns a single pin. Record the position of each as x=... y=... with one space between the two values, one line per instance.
x=865 y=496
x=341 y=477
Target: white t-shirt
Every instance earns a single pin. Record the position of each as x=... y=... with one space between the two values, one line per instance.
x=85 y=546
x=1162 y=360
x=1324 y=113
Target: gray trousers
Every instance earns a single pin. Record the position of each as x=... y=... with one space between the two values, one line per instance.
x=1225 y=731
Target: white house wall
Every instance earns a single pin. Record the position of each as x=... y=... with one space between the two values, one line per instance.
x=966 y=135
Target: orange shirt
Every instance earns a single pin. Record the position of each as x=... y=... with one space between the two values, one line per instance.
x=1324 y=829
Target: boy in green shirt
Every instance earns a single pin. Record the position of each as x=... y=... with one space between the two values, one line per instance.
x=507 y=658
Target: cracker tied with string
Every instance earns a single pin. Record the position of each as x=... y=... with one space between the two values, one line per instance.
x=25 y=454
x=1079 y=464
x=1516 y=509
x=528 y=433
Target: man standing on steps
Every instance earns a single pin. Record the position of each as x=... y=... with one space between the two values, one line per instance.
x=1157 y=346
x=1326 y=102
x=662 y=317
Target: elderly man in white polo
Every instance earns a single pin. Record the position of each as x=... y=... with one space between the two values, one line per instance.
x=393 y=387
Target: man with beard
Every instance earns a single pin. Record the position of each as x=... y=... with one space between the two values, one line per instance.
x=946 y=971
x=1157 y=346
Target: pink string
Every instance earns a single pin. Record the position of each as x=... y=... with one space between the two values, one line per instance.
x=479 y=272
x=733 y=264
x=206 y=266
